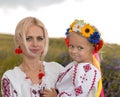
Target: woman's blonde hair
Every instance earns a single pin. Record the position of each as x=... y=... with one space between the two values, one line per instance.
x=22 y=28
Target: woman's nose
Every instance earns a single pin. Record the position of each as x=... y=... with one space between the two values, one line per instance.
x=35 y=42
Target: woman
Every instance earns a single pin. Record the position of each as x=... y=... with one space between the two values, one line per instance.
x=33 y=75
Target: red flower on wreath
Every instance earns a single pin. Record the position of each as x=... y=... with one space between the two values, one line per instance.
x=98 y=46
x=67 y=42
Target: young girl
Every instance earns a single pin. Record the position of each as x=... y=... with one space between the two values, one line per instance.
x=82 y=77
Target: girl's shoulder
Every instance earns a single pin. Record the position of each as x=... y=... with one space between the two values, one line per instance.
x=79 y=66
x=86 y=69
x=85 y=66
x=70 y=65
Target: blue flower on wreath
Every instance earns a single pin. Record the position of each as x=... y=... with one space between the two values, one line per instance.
x=67 y=32
x=94 y=38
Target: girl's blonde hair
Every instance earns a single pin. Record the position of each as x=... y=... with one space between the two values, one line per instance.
x=22 y=28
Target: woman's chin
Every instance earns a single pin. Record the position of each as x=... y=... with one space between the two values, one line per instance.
x=33 y=55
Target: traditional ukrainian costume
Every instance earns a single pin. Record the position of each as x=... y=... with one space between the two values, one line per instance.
x=78 y=80
x=15 y=83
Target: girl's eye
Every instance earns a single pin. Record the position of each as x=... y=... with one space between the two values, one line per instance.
x=71 y=46
x=80 y=48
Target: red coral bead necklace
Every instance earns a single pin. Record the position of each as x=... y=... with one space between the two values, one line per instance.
x=41 y=73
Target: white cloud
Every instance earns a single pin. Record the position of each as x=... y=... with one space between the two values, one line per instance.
x=29 y=4
x=57 y=17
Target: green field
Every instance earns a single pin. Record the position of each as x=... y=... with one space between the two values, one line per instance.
x=110 y=60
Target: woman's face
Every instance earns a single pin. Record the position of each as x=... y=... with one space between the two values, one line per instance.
x=80 y=49
x=35 y=41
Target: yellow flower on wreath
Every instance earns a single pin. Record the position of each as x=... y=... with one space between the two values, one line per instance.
x=76 y=26
x=71 y=26
x=87 y=30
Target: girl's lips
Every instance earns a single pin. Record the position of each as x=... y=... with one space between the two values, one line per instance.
x=76 y=57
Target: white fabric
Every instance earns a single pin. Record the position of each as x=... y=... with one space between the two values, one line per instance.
x=24 y=87
x=78 y=80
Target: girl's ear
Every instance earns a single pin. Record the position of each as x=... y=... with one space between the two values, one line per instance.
x=92 y=48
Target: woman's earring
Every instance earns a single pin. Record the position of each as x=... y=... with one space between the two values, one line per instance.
x=18 y=50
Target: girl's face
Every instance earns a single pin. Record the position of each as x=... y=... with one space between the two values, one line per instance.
x=80 y=49
x=35 y=41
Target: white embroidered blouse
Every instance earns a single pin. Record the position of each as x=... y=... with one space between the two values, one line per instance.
x=15 y=84
x=78 y=80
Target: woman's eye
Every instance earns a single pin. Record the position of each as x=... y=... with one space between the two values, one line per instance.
x=40 y=38
x=28 y=38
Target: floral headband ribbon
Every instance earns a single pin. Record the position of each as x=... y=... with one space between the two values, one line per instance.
x=88 y=31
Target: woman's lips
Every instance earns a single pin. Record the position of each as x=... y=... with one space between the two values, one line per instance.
x=34 y=50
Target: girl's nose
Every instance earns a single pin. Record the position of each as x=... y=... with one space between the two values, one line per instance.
x=74 y=50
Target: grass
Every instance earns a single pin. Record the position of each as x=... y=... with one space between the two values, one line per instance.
x=110 y=62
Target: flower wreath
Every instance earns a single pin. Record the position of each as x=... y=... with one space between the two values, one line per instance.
x=87 y=31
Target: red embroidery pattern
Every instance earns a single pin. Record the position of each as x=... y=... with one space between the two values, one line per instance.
x=6 y=87
x=64 y=93
x=83 y=78
x=63 y=74
x=37 y=92
x=74 y=74
x=93 y=82
x=78 y=90
x=87 y=68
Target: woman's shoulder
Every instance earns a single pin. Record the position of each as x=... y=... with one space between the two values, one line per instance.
x=51 y=62
x=53 y=66
x=12 y=73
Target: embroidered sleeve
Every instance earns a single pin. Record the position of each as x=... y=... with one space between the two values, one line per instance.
x=6 y=88
x=85 y=80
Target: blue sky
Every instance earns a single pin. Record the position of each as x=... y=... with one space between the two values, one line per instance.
x=57 y=15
